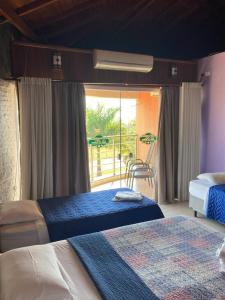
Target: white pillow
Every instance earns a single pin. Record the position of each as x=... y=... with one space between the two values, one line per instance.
x=19 y=211
x=216 y=178
x=32 y=273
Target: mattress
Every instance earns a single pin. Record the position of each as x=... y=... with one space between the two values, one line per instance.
x=23 y=234
x=200 y=188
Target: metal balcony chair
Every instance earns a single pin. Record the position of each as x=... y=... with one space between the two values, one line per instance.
x=137 y=168
x=143 y=171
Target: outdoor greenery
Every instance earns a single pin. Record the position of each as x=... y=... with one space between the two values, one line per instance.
x=106 y=122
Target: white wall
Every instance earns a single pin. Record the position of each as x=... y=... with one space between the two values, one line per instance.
x=9 y=142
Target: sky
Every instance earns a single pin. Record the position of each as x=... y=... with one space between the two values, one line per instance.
x=128 y=106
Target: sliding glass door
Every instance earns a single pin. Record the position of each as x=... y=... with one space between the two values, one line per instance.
x=116 y=118
x=103 y=114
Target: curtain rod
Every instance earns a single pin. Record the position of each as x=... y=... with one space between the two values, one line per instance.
x=152 y=85
x=135 y=84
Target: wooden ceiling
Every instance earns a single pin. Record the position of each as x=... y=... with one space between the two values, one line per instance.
x=181 y=29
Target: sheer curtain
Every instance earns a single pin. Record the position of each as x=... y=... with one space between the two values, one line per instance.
x=189 y=136
x=168 y=145
x=35 y=106
x=70 y=151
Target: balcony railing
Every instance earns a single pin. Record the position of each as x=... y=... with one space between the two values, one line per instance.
x=110 y=160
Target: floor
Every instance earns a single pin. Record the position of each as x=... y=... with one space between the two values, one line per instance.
x=168 y=210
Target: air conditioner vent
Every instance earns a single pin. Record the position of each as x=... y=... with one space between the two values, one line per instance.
x=121 y=61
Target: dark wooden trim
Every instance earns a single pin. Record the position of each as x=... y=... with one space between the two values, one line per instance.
x=77 y=50
x=35 y=60
x=16 y=20
x=51 y=47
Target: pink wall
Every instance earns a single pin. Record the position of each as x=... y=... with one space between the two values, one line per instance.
x=213 y=113
x=147 y=119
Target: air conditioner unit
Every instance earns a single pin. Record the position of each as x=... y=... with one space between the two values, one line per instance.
x=121 y=61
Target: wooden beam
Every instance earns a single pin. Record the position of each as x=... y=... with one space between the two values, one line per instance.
x=16 y=20
x=71 y=14
x=181 y=17
x=136 y=13
x=69 y=26
x=30 y=8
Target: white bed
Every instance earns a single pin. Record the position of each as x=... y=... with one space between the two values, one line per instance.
x=54 y=271
x=198 y=195
x=22 y=233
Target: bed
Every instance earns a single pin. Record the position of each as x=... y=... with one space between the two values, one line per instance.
x=208 y=199
x=171 y=258
x=198 y=195
x=94 y=211
x=81 y=214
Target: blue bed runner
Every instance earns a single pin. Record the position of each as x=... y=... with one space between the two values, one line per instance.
x=216 y=203
x=91 y=212
x=113 y=278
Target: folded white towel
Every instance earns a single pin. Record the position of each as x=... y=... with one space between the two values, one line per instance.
x=128 y=196
x=221 y=254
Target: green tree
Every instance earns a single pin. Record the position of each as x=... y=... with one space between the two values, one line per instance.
x=102 y=121
x=105 y=121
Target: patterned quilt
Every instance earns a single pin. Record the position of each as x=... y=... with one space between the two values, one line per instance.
x=172 y=258
x=216 y=203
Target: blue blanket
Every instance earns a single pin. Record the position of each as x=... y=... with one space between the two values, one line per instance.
x=113 y=278
x=91 y=212
x=216 y=203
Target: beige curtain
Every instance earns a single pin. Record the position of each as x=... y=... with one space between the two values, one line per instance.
x=168 y=145
x=189 y=136
x=70 y=152
x=35 y=106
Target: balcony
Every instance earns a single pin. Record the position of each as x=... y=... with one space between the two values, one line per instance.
x=108 y=163
x=110 y=111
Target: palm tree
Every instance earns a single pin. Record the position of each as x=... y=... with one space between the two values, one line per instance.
x=101 y=121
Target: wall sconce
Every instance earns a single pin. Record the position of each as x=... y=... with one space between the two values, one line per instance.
x=57 y=60
x=174 y=70
x=204 y=76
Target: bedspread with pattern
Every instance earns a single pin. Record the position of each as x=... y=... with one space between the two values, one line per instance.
x=172 y=258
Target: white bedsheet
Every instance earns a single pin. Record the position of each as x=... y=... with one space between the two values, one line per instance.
x=79 y=283
x=74 y=273
x=200 y=189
